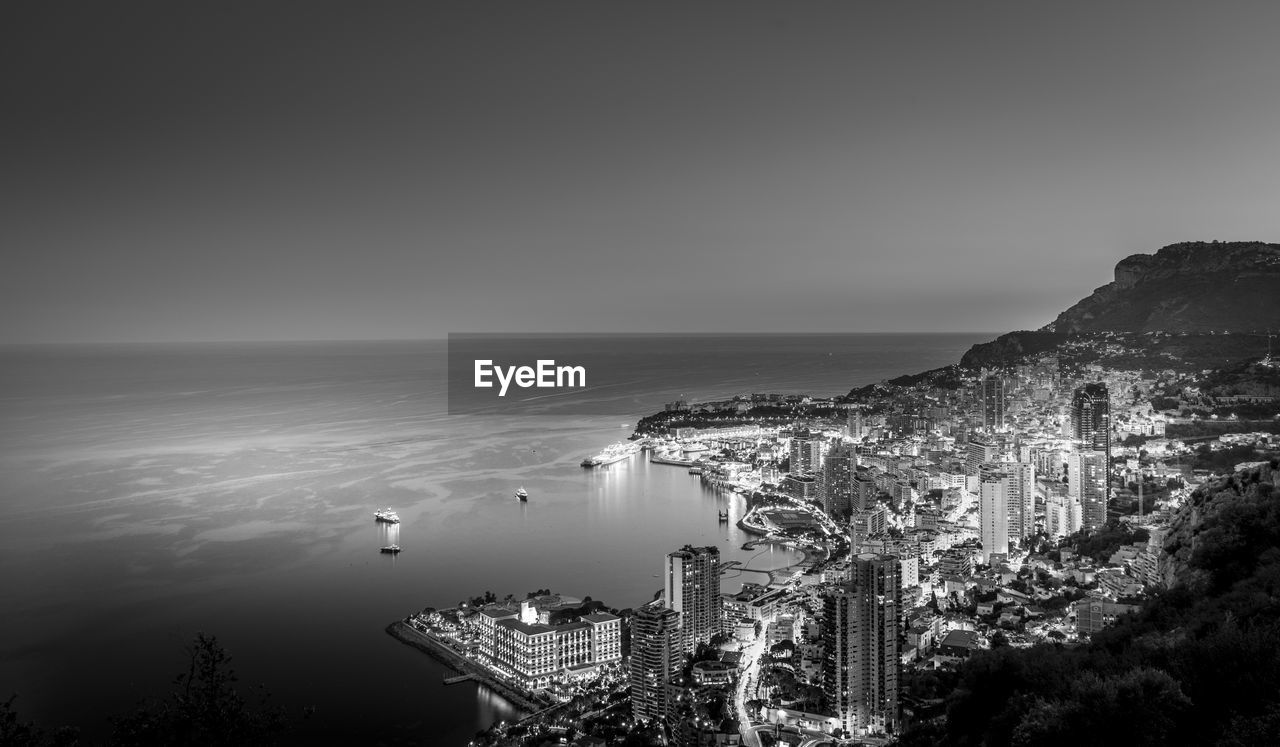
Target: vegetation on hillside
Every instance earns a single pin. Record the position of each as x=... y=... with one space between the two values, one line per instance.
x=1200 y=664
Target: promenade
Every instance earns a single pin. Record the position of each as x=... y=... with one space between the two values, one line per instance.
x=447 y=655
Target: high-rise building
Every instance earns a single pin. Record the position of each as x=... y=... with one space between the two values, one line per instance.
x=838 y=471
x=1091 y=428
x=864 y=489
x=860 y=635
x=1087 y=483
x=980 y=452
x=657 y=655
x=993 y=403
x=806 y=453
x=692 y=589
x=993 y=500
x=1020 y=492
x=857 y=425
x=864 y=523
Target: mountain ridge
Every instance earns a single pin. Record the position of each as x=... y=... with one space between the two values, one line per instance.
x=1195 y=286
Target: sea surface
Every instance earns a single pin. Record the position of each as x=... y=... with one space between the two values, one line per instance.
x=150 y=492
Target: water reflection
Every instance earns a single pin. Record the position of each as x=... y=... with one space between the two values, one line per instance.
x=491 y=708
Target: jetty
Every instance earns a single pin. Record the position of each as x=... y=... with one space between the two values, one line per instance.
x=459 y=678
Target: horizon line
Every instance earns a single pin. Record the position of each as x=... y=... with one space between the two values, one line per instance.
x=445 y=338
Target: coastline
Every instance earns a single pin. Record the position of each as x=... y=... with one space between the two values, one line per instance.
x=409 y=636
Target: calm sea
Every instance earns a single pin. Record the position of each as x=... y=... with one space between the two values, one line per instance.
x=150 y=492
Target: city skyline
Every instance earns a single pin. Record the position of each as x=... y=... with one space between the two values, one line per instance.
x=259 y=173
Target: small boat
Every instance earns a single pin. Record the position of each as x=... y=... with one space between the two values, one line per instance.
x=391 y=549
x=387 y=515
x=724 y=516
x=522 y=494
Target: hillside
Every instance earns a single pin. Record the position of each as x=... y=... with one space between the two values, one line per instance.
x=1189 y=287
x=1200 y=664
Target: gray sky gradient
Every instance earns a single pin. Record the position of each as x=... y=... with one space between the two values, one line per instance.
x=312 y=170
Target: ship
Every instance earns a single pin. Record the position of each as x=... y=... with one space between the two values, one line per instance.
x=522 y=494
x=391 y=549
x=612 y=453
x=387 y=515
x=724 y=516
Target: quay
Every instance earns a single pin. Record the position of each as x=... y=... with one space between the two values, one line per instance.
x=668 y=460
x=446 y=655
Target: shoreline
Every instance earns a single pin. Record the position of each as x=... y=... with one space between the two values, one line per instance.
x=442 y=653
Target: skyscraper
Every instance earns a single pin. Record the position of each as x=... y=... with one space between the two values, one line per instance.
x=838 y=487
x=1091 y=427
x=806 y=453
x=693 y=590
x=656 y=657
x=1087 y=483
x=860 y=634
x=993 y=403
x=1020 y=487
x=993 y=500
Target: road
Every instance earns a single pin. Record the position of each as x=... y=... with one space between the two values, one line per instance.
x=746 y=683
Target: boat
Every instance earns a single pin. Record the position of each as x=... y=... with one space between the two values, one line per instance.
x=387 y=515
x=522 y=494
x=724 y=516
x=612 y=453
x=391 y=549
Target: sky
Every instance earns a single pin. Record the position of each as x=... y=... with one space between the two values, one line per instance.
x=316 y=170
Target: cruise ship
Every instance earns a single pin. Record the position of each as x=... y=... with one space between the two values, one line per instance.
x=612 y=453
x=387 y=515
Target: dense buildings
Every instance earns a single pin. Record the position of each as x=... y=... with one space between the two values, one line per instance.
x=693 y=591
x=860 y=635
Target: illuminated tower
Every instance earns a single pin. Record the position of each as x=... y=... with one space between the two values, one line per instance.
x=860 y=636
x=993 y=403
x=693 y=590
x=1091 y=428
x=656 y=658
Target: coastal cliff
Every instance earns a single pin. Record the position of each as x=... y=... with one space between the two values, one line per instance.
x=1188 y=287
x=1169 y=308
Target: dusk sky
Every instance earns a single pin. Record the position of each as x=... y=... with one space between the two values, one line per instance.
x=306 y=170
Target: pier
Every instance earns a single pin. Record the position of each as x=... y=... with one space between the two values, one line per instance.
x=459 y=678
